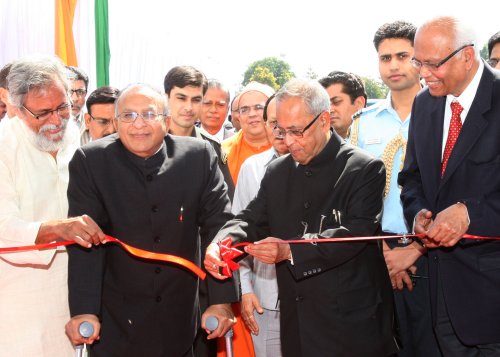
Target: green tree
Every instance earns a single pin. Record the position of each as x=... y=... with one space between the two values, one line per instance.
x=278 y=68
x=484 y=52
x=265 y=76
x=375 y=89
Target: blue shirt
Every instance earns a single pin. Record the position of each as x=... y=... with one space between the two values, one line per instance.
x=378 y=125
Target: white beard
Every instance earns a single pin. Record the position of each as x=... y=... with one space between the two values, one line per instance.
x=53 y=143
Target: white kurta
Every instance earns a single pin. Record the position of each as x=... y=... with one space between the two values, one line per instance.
x=33 y=285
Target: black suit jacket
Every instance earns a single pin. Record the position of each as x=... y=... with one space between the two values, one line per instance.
x=336 y=299
x=163 y=204
x=470 y=271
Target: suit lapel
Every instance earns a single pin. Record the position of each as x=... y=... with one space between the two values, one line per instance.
x=431 y=150
x=474 y=125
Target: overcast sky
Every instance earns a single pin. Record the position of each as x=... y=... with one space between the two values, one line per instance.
x=223 y=37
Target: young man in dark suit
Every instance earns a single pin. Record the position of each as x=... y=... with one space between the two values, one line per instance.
x=335 y=298
x=451 y=185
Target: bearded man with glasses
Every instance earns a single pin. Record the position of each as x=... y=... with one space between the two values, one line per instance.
x=335 y=299
x=35 y=149
x=451 y=185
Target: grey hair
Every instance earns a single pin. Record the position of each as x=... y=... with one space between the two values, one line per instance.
x=311 y=92
x=160 y=97
x=35 y=74
x=215 y=83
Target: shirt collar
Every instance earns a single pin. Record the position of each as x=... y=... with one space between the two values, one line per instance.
x=273 y=154
x=384 y=104
x=467 y=97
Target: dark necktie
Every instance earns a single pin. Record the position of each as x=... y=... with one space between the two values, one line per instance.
x=453 y=132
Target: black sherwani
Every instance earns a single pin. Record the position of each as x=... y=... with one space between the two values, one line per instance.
x=336 y=298
x=162 y=204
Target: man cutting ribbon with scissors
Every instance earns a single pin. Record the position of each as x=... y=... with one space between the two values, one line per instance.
x=334 y=294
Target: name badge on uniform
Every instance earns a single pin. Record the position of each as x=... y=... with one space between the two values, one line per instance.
x=371 y=141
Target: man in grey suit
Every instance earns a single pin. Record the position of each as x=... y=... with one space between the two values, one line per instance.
x=335 y=298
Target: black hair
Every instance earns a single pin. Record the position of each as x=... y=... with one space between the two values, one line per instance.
x=102 y=95
x=397 y=29
x=78 y=75
x=182 y=76
x=266 y=105
x=492 y=42
x=352 y=85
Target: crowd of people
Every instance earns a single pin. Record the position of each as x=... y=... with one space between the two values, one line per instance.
x=178 y=171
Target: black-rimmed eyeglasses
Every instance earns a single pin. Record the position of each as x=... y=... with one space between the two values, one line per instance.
x=280 y=133
x=63 y=112
x=434 y=66
x=101 y=121
x=78 y=92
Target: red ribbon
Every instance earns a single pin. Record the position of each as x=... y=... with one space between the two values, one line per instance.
x=228 y=252
x=140 y=253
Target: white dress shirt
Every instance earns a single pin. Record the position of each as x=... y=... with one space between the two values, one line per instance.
x=465 y=99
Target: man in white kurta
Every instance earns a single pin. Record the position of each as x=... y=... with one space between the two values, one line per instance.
x=33 y=209
x=259 y=287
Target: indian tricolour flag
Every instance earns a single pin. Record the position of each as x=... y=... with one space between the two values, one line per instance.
x=73 y=25
x=74 y=30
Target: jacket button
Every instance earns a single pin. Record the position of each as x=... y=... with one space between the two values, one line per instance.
x=307 y=205
x=314 y=271
x=158 y=299
x=308 y=173
x=149 y=178
x=157 y=240
x=158 y=270
x=304 y=273
x=299 y=298
x=309 y=272
x=154 y=208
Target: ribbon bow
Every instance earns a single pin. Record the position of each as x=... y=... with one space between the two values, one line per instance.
x=228 y=253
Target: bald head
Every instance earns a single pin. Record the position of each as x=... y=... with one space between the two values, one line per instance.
x=142 y=90
x=446 y=55
x=454 y=30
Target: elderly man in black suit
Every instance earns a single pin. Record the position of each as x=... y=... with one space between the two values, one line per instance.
x=335 y=298
x=451 y=185
x=156 y=192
